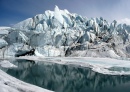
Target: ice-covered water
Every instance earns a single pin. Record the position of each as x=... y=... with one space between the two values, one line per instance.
x=100 y=65
x=68 y=77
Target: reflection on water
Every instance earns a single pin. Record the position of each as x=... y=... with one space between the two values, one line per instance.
x=63 y=78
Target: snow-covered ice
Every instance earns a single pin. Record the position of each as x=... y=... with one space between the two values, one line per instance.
x=7 y=64
x=11 y=84
x=100 y=65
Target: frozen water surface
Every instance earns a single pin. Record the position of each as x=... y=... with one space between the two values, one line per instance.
x=100 y=65
x=73 y=74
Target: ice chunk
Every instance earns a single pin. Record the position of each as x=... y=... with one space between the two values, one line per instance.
x=26 y=24
x=113 y=54
x=4 y=30
x=57 y=15
x=7 y=64
x=39 y=28
x=45 y=26
x=3 y=43
x=49 y=14
x=47 y=51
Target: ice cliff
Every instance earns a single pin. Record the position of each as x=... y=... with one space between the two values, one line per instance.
x=61 y=33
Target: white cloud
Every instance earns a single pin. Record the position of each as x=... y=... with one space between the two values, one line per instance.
x=124 y=21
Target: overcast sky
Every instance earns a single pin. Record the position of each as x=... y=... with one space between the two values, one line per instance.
x=14 y=11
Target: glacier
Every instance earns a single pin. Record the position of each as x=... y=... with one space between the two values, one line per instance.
x=65 y=38
x=61 y=33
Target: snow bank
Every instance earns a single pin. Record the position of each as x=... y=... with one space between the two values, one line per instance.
x=11 y=84
x=7 y=64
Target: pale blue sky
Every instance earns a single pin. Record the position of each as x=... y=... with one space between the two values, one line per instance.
x=14 y=11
